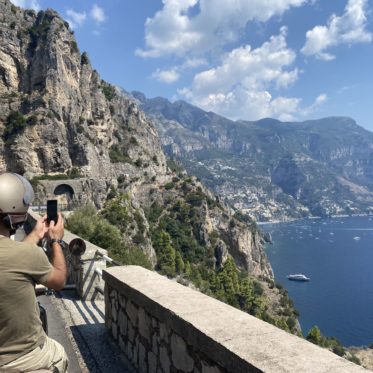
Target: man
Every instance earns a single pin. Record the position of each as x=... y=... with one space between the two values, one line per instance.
x=24 y=346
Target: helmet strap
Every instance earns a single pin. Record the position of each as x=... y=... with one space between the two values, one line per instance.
x=9 y=225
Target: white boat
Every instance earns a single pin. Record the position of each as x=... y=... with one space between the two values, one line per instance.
x=357 y=238
x=298 y=277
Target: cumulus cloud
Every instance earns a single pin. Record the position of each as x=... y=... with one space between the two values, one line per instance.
x=98 y=14
x=29 y=4
x=201 y=25
x=350 y=28
x=173 y=74
x=75 y=19
x=239 y=86
x=166 y=76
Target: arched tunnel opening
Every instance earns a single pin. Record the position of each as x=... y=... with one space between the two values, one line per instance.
x=65 y=194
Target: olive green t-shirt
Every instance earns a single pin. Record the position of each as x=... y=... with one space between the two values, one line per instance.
x=21 y=266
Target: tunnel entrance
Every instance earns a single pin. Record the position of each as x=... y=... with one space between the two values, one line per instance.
x=64 y=194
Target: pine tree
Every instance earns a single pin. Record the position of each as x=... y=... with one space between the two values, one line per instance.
x=179 y=263
x=166 y=254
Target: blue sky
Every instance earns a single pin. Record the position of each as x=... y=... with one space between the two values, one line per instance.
x=244 y=59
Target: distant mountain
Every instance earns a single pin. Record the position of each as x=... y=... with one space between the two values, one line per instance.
x=271 y=169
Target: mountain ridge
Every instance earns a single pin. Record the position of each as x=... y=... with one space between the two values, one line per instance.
x=335 y=151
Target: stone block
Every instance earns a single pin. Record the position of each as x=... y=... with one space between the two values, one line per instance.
x=114 y=331
x=180 y=356
x=129 y=351
x=122 y=301
x=152 y=362
x=122 y=322
x=164 y=360
x=145 y=326
x=121 y=343
x=206 y=368
x=142 y=359
x=132 y=312
x=155 y=344
x=131 y=333
x=163 y=332
x=114 y=313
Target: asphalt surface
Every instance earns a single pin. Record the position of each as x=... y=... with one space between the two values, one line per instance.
x=80 y=327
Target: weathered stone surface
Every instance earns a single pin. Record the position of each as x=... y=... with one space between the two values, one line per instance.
x=145 y=325
x=206 y=368
x=122 y=322
x=152 y=362
x=142 y=359
x=114 y=331
x=164 y=359
x=163 y=332
x=132 y=312
x=180 y=356
x=122 y=301
x=131 y=333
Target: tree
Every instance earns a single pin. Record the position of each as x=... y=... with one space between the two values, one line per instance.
x=179 y=263
x=315 y=336
x=166 y=254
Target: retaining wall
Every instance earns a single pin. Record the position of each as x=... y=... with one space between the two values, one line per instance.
x=162 y=326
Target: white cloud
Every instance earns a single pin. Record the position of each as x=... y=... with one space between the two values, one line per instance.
x=201 y=25
x=98 y=14
x=75 y=19
x=350 y=28
x=166 y=76
x=173 y=74
x=239 y=86
x=29 y=4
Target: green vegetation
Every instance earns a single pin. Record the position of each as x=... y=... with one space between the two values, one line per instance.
x=16 y=124
x=84 y=60
x=74 y=47
x=109 y=91
x=118 y=155
x=38 y=32
x=315 y=336
x=94 y=227
x=74 y=173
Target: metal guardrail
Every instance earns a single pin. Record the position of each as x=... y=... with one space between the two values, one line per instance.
x=98 y=271
x=42 y=208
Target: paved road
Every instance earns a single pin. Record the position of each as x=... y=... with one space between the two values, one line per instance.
x=79 y=326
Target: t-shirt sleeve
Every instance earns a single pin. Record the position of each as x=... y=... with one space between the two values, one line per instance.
x=36 y=263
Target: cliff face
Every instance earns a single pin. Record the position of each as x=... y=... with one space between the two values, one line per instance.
x=73 y=118
x=270 y=169
x=58 y=117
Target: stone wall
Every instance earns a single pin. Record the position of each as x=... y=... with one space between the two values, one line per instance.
x=162 y=326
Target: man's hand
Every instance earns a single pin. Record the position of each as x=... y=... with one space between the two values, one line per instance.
x=56 y=231
x=57 y=276
x=39 y=231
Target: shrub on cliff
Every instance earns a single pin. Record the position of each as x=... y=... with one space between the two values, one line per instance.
x=88 y=224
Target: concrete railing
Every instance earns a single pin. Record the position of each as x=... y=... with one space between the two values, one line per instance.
x=162 y=326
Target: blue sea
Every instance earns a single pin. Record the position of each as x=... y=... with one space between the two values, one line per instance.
x=337 y=254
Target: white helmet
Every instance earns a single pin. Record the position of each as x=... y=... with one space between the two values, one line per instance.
x=16 y=195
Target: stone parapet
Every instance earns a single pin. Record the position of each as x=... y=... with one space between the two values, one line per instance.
x=162 y=326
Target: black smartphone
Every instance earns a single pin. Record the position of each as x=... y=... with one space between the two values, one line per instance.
x=52 y=211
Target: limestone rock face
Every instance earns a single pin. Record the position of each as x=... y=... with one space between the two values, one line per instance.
x=76 y=117
x=58 y=117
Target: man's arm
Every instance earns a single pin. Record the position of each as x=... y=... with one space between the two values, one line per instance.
x=57 y=276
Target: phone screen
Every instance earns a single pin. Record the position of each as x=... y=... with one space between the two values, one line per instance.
x=52 y=210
